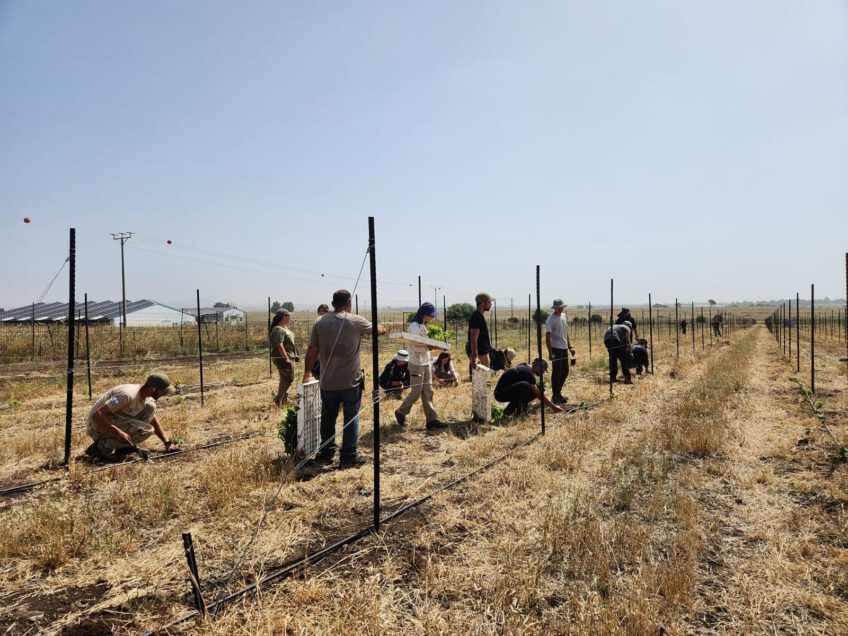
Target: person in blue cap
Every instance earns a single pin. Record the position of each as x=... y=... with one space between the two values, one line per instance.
x=420 y=372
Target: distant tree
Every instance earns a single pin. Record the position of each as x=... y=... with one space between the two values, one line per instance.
x=512 y=321
x=540 y=317
x=288 y=305
x=597 y=318
x=276 y=306
x=660 y=306
x=712 y=302
x=700 y=319
x=460 y=312
x=220 y=304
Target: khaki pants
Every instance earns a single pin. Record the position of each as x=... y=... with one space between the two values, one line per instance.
x=286 y=372
x=484 y=360
x=420 y=385
x=138 y=428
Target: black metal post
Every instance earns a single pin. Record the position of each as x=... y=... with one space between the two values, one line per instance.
x=375 y=367
x=703 y=342
x=798 y=333
x=651 y=321
x=539 y=345
x=445 y=314
x=87 y=348
x=270 y=364
x=529 y=322
x=790 y=330
x=357 y=304
x=677 y=327
x=419 y=291
x=69 y=401
x=217 y=341
x=813 y=338
x=692 y=327
x=200 y=346
x=191 y=560
x=611 y=322
x=590 y=330
x=495 y=319
x=33 y=331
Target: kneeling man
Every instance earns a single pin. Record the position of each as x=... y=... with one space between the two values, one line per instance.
x=518 y=387
x=125 y=416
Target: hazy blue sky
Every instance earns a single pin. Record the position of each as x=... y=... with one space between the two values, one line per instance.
x=697 y=150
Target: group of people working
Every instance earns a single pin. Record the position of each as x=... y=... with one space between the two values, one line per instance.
x=125 y=416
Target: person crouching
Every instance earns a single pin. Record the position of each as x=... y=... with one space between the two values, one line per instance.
x=395 y=376
x=518 y=387
x=125 y=416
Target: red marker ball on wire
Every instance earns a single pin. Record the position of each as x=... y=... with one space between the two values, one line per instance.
x=27 y=219
x=170 y=242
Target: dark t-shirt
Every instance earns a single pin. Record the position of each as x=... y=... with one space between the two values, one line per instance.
x=521 y=373
x=478 y=321
x=620 y=321
x=393 y=372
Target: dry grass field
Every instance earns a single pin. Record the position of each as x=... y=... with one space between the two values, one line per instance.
x=706 y=498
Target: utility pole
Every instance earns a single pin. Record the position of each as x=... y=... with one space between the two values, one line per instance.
x=123 y=237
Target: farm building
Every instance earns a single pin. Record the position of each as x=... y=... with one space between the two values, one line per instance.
x=140 y=313
x=217 y=314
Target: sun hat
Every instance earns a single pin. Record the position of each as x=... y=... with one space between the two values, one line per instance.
x=558 y=302
x=509 y=354
x=402 y=355
x=428 y=309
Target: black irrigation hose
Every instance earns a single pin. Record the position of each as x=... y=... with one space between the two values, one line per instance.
x=13 y=490
x=314 y=557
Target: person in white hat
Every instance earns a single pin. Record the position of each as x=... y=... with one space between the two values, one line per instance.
x=395 y=375
x=559 y=346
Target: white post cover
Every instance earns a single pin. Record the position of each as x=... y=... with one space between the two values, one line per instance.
x=308 y=417
x=481 y=399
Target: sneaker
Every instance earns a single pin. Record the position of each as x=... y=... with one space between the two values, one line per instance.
x=352 y=462
x=628 y=381
x=401 y=419
x=436 y=425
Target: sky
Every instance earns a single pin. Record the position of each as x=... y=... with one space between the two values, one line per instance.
x=687 y=150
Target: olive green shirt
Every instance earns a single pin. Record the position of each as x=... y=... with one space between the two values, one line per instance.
x=285 y=336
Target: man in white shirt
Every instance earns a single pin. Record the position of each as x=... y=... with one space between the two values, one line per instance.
x=125 y=416
x=559 y=346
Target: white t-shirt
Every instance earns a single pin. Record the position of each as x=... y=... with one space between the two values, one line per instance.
x=418 y=354
x=557 y=326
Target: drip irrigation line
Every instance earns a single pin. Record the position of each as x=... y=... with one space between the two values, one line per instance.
x=314 y=557
x=13 y=490
x=267 y=507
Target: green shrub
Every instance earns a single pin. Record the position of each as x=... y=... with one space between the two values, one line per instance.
x=497 y=412
x=287 y=430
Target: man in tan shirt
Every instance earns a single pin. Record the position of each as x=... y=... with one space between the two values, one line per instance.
x=125 y=416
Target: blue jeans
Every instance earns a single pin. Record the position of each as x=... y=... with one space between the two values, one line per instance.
x=350 y=401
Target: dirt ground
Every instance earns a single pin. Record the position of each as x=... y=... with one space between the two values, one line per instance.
x=708 y=498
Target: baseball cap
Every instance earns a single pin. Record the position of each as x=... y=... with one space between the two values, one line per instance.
x=160 y=381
